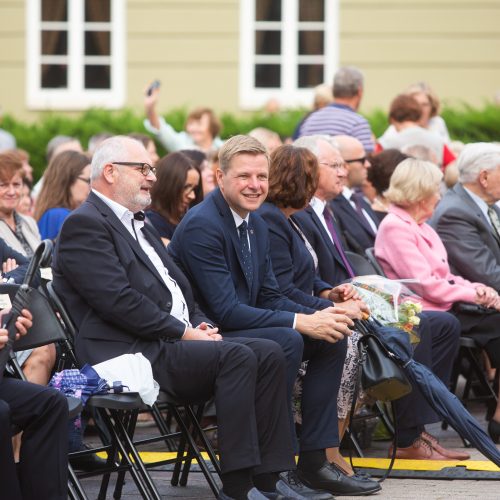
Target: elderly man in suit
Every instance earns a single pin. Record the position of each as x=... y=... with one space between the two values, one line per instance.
x=223 y=247
x=439 y=331
x=467 y=218
x=126 y=295
x=357 y=220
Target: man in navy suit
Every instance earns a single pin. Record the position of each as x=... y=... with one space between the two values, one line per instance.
x=357 y=220
x=126 y=295
x=223 y=247
x=439 y=331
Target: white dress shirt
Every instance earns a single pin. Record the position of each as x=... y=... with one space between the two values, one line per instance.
x=179 y=307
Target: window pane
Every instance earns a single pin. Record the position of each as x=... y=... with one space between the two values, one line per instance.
x=54 y=10
x=311 y=43
x=97 y=77
x=267 y=75
x=97 y=43
x=268 y=42
x=97 y=11
x=268 y=10
x=310 y=75
x=54 y=76
x=311 y=10
x=54 y=43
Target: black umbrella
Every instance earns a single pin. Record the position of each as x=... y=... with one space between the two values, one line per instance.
x=446 y=404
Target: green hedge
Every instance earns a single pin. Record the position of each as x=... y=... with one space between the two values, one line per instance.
x=465 y=123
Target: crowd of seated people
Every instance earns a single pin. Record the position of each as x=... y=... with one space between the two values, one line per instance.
x=240 y=247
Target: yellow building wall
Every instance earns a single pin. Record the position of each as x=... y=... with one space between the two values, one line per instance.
x=192 y=47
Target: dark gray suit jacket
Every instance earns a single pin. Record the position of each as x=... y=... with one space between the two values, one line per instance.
x=468 y=237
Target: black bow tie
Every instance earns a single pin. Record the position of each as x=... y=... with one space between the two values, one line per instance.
x=139 y=216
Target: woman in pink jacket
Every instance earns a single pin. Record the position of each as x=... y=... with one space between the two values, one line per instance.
x=407 y=247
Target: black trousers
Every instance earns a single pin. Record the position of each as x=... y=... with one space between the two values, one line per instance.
x=321 y=383
x=485 y=329
x=42 y=414
x=438 y=347
x=247 y=379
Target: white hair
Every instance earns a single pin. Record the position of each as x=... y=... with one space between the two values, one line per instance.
x=310 y=142
x=112 y=149
x=476 y=157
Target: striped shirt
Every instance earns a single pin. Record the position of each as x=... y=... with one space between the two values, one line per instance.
x=339 y=119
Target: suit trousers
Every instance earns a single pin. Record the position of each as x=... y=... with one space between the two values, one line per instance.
x=438 y=348
x=247 y=379
x=320 y=386
x=42 y=414
x=485 y=330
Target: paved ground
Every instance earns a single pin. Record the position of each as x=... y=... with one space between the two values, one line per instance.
x=393 y=489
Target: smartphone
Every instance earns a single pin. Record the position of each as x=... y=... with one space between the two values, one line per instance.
x=156 y=84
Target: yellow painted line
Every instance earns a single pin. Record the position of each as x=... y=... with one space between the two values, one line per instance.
x=399 y=464
x=155 y=456
x=371 y=463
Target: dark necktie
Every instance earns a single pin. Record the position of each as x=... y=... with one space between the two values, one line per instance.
x=336 y=241
x=245 y=252
x=495 y=223
x=356 y=198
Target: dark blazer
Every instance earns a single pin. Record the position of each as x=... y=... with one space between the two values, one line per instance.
x=163 y=226
x=331 y=267
x=7 y=252
x=292 y=263
x=207 y=248
x=473 y=251
x=356 y=231
x=116 y=297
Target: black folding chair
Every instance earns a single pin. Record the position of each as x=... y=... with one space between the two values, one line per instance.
x=370 y=255
x=116 y=411
x=187 y=419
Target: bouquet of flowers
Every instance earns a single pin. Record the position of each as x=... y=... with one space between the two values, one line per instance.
x=391 y=302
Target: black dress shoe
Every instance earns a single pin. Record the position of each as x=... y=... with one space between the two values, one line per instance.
x=291 y=486
x=87 y=463
x=331 y=478
x=494 y=430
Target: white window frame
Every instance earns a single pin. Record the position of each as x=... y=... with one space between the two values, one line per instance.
x=289 y=94
x=75 y=96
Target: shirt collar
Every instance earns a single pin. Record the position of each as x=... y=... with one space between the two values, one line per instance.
x=478 y=200
x=347 y=193
x=318 y=206
x=237 y=219
x=123 y=213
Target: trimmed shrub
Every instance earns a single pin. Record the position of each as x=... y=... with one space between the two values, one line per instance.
x=466 y=124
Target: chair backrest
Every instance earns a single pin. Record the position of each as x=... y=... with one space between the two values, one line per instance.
x=370 y=255
x=46 y=327
x=361 y=265
x=61 y=310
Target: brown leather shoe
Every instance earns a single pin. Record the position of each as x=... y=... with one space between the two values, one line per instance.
x=419 y=450
x=451 y=454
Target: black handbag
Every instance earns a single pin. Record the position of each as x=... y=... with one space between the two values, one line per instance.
x=382 y=378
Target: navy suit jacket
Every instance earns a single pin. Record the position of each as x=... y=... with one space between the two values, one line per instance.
x=7 y=252
x=356 y=232
x=206 y=246
x=331 y=267
x=116 y=297
x=292 y=263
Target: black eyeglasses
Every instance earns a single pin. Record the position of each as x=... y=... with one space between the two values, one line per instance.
x=84 y=179
x=145 y=168
x=361 y=160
